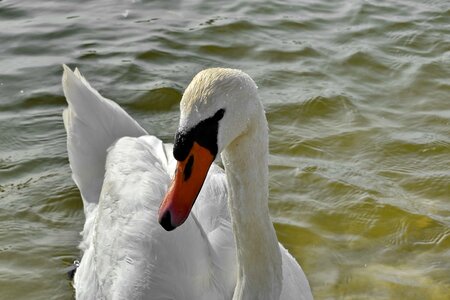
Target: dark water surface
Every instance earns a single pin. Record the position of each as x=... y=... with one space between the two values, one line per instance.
x=357 y=94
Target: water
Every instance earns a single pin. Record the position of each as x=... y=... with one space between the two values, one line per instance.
x=357 y=97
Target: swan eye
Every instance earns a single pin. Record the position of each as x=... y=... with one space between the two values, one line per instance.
x=182 y=145
x=204 y=133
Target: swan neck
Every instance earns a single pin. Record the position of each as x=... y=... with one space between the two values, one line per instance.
x=258 y=253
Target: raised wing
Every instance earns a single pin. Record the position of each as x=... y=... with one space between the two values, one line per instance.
x=93 y=123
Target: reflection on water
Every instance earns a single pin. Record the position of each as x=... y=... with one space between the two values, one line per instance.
x=356 y=94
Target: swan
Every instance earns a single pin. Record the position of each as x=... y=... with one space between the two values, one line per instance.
x=224 y=246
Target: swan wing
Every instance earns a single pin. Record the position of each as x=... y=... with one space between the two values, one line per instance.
x=295 y=283
x=93 y=123
x=211 y=210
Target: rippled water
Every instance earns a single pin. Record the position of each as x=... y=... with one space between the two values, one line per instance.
x=357 y=94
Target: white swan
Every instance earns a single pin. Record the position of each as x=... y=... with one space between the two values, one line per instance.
x=123 y=174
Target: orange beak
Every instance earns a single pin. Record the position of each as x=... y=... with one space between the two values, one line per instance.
x=190 y=175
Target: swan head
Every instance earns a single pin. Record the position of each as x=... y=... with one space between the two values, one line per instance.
x=217 y=107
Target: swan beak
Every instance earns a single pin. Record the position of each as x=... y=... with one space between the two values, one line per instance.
x=189 y=177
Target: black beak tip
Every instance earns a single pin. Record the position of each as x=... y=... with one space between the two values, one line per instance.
x=165 y=221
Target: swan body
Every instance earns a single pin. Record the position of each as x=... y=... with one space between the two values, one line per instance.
x=226 y=247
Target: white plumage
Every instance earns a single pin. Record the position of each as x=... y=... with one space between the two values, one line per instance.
x=123 y=174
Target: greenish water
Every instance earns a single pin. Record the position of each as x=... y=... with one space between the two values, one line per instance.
x=357 y=94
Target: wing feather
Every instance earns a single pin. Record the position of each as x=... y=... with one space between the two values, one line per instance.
x=93 y=123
